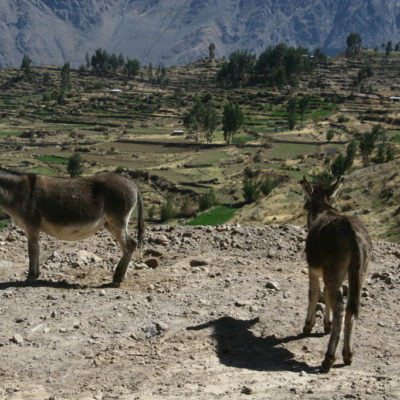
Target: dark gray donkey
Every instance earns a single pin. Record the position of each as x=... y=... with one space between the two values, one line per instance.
x=337 y=246
x=72 y=209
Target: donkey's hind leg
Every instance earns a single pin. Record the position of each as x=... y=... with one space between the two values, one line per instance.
x=128 y=246
x=313 y=296
x=348 y=338
x=335 y=296
x=33 y=253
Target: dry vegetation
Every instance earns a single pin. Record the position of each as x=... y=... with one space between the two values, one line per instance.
x=132 y=130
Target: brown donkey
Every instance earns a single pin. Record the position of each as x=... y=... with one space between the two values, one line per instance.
x=337 y=246
x=72 y=209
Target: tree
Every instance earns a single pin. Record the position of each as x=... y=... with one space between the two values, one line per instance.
x=251 y=190
x=74 y=166
x=281 y=65
x=351 y=151
x=291 y=109
x=202 y=119
x=131 y=68
x=232 y=121
x=211 y=51
x=330 y=134
x=100 y=61
x=303 y=104
x=353 y=41
x=26 y=65
x=46 y=79
x=388 y=48
x=238 y=71
x=65 y=77
x=368 y=141
x=364 y=73
x=150 y=72
x=168 y=211
x=87 y=61
x=390 y=152
x=319 y=56
x=338 y=166
x=208 y=200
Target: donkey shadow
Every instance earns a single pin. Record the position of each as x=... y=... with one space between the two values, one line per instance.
x=41 y=283
x=238 y=347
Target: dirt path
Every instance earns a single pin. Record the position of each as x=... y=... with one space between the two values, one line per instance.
x=227 y=329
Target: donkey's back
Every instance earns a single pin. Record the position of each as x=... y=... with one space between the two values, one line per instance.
x=59 y=205
x=336 y=240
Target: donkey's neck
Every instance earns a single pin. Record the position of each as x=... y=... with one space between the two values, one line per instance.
x=317 y=209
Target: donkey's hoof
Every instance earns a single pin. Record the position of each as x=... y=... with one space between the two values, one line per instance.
x=348 y=358
x=326 y=365
x=115 y=284
x=307 y=329
x=328 y=328
x=31 y=278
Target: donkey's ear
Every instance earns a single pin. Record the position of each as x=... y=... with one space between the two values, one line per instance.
x=335 y=187
x=306 y=187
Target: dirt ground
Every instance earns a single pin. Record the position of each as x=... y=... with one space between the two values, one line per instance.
x=218 y=316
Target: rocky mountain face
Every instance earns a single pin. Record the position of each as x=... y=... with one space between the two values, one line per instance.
x=179 y=31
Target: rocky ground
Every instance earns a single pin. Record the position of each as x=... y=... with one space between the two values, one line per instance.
x=205 y=313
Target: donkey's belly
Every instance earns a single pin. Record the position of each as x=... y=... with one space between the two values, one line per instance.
x=73 y=231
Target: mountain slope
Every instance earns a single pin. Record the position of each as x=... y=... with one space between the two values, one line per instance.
x=179 y=31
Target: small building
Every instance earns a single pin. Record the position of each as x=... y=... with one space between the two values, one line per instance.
x=178 y=132
x=394 y=98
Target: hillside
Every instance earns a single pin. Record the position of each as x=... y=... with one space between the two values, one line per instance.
x=132 y=130
x=175 y=32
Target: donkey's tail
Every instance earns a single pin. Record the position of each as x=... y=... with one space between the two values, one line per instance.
x=355 y=278
x=140 y=225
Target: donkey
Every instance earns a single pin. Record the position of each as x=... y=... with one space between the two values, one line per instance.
x=72 y=209
x=337 y=246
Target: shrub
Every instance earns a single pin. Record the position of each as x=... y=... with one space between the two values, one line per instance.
x=267 y=185
x=330 y=134
x=151 y=212
x=341 y=119
x=208 y=200
x=167 y=211
x=188 y=207
x=74 y=166
x=251 y=190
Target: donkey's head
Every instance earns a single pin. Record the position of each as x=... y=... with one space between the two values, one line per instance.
x=318 y=196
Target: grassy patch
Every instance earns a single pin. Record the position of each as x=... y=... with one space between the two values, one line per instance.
x=42 y=171
x=9 y=133
x=53 y=159
x=290 y=151
x=216 y=216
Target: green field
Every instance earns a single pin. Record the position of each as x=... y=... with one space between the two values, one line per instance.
x=53 y=159
x=216 y=216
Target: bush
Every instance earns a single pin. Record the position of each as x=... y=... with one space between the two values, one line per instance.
x=208 y=200
x=251 y=190
x=74 y=166
x=267 y=185
x=188 y=207
x=151 y=212
x=168 y=211
x=322 y=178
x=330 y=134
x=341 y=119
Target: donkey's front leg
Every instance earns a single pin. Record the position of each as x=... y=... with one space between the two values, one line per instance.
x=33 y=253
